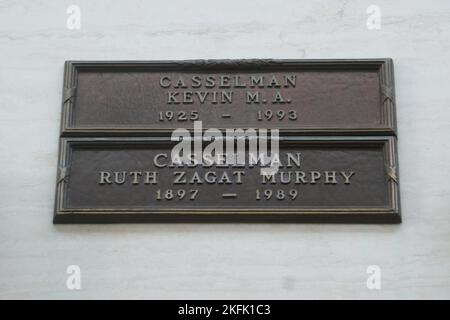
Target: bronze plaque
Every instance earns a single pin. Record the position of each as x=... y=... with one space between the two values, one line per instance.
x=295 y=96
x=319 y=179
x=337 y=143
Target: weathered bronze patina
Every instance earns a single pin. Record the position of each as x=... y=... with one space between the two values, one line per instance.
x=338 y=158
x=295 y=96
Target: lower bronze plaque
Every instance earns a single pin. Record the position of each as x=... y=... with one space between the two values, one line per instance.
x=331 y=179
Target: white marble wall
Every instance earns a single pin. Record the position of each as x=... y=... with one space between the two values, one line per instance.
x=222 y=260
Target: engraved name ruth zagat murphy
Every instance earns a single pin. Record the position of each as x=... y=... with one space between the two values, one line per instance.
x=218 y=174
x=190 y=177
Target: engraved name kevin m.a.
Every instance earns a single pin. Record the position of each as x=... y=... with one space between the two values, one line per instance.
x=220 y=89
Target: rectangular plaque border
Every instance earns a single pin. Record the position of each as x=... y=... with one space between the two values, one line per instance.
x=384 y=66
x=388 y=214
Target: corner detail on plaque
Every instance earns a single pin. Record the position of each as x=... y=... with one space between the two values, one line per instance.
x=63 y=174
x=392 y=173
x=69 y=94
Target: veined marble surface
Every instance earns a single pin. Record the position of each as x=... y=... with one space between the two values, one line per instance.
x=289 y=261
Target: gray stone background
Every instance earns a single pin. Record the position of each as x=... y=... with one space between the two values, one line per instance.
x=222 y=260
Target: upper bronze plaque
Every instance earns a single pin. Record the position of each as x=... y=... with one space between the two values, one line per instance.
x=295 y=96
